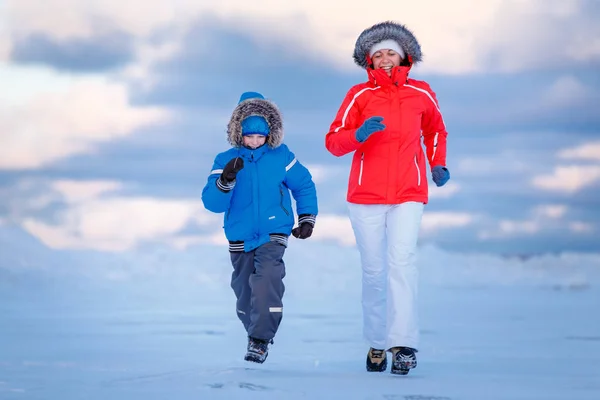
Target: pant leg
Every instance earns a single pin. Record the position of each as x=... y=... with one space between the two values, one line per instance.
x=368 y=223
x=403 y=224
x=243 y=267
x=267 y=291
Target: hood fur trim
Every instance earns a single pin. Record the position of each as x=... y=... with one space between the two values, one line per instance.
x=382 y=31
x=263 y=108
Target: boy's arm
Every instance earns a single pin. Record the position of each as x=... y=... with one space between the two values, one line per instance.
x=216 y=194
x=299 y=180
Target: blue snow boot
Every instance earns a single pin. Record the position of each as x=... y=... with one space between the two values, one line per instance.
x=258 y=350
x=403 y=360
x=376 y=360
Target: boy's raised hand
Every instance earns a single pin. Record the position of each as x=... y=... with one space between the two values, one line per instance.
x=231 y=169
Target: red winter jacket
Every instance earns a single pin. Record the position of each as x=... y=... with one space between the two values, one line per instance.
x=389 y=167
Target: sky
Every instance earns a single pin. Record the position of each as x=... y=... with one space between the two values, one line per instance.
x=111 y=114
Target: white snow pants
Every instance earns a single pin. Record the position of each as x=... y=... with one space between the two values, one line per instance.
x=386 y=237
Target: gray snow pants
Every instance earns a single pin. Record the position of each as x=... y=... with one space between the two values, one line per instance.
x=257 y=281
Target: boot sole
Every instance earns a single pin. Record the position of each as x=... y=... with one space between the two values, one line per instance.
x=255 y=358
x=404 y=368
x=377 y=367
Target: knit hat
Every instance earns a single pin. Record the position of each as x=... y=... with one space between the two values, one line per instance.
x=250 y=95
x=255 y=115
x=254 y=124
x=387 y=44
x=373 y=37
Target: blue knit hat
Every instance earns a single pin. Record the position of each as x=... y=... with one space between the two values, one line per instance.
x=250 y=95
x=254 y=124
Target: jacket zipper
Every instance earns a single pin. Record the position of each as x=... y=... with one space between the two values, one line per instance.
x=418 y=172
x=362 y=160
x=281 y=202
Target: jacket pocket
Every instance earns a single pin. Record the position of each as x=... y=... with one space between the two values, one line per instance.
x=281 y=201
x=418 y=171
x=360 y=172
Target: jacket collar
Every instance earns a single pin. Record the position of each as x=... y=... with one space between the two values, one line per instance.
x=253 y=154
x=379 y=77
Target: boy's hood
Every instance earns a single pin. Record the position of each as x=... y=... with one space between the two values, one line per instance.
x=261 y=107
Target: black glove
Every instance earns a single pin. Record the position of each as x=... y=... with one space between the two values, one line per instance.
x=231 y=169
x=304 y=230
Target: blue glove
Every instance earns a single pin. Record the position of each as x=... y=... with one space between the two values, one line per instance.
x=371 y=125
x=440 y=175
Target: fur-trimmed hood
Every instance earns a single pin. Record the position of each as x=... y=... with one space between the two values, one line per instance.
x=260 y=107
x=382 y=31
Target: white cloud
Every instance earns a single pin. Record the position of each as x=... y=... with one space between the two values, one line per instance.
x=435 y=221
x=457 y=37
x=554 y=211
x=568 y=179
x=119 y=223
x=567 y=91
x=511 y=228
x=587 y=152
x=444 y=192
x=57 y=125
x=483 y=166
x=581 y=227
x=335 y=228
x=542 y=217
x=21 y=84
x=525 y=34
x=182 y=242
x=323 y=173
x=80 y=191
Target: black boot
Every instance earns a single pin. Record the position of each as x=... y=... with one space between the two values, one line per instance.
x=258 y=350
x=403 y=360
x=376 y=360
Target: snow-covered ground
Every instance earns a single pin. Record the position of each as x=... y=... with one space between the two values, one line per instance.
x=160 y=324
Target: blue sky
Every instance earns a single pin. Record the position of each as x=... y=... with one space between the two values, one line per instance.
x=110 y=116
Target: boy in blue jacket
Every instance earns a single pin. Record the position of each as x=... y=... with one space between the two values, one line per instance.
x=251 y=184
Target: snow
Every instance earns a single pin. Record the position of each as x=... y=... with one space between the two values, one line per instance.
x=161 y=324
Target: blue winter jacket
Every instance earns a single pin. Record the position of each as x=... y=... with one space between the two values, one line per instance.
x=260 y=203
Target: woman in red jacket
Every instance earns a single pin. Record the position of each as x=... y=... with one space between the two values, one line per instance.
x=382 y=122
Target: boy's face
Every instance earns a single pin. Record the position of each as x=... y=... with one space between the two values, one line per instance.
x=254 y=141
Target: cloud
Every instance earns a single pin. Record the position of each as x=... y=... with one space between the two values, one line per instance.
x=444 y=192
x=80 y=191
x=586 y=152
x=322 y=173
x=567 y=91
x=581 y=227
x=477 y=36
x=525 y=35
x=119 y=223
x=568 y=179
x=56 y=125
x=542 y=220
x=21 y=84
x=102 y=52
x=5 y=48
x=550 y=210
x=434 y=221
x=335 y=228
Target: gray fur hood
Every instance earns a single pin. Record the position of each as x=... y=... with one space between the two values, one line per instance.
x=260 y=107
x=383 y=31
